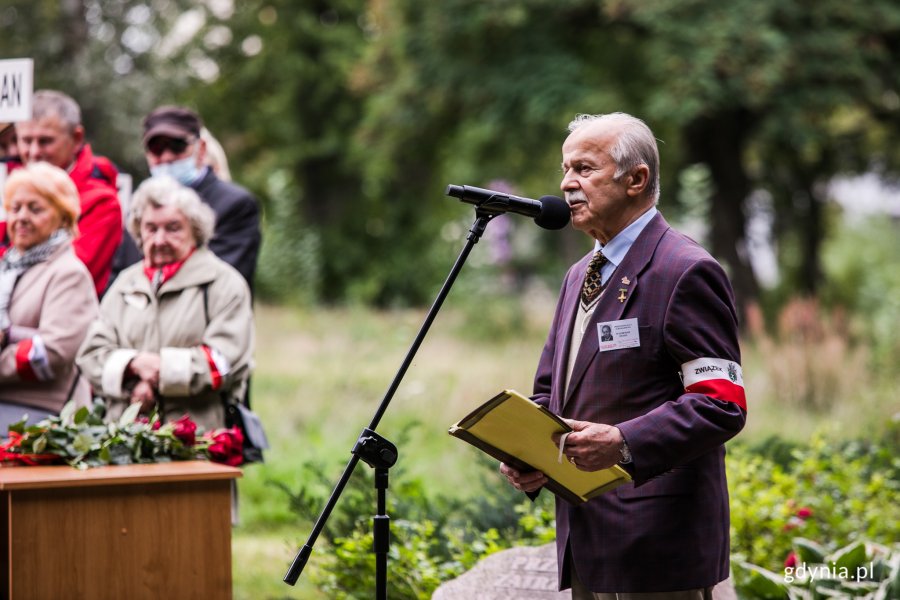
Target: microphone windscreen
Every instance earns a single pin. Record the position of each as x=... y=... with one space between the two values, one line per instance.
x=555 y=213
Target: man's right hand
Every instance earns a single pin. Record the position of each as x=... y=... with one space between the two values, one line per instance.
x=531 y=481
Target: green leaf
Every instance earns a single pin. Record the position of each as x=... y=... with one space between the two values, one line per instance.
x=755 y=582
x=849 y=557
x=809 y=551
x=895 y=576
x=67 y=411
x=39 y=444
x=81 y=415
x=130 y=414
x=83 y=442
x=884 y=591
x=18 y=426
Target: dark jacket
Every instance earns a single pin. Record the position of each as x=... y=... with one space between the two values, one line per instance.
x=237 y=236
x=670 y=529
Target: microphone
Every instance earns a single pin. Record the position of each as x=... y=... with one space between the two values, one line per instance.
x=550 y=212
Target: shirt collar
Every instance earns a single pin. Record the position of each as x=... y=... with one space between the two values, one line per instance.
x=616 y=249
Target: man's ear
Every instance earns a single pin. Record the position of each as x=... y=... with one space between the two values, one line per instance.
x=78 y=135
x=201 y=153
x=638 y=181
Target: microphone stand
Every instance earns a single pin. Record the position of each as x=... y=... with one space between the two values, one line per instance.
x=376 y=451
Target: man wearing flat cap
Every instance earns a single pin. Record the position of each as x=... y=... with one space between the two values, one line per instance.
x=173 y=147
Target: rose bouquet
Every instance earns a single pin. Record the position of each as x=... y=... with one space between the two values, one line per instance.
x=82 y=438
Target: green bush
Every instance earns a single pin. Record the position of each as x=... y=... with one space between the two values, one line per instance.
x=858 y=570
x=432 y=540
x=835 y=492
x=842 y=494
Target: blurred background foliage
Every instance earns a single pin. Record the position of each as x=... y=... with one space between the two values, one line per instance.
x=348 y=118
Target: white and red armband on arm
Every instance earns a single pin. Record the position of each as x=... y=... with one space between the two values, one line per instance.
x=717 y=378
x=218 y=366
x=32 y=362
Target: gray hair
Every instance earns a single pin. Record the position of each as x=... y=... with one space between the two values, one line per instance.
x=634 y=146
x=46 y=103
x=165 y=191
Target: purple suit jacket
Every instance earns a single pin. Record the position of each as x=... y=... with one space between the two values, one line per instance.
x=670 y=529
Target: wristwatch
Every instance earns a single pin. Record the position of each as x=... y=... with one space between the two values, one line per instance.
x=626 y=454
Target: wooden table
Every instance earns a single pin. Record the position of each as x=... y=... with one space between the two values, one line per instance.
x=156 y=531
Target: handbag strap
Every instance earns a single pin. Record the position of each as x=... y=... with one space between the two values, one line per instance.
x=226 y=398
x=72 y=387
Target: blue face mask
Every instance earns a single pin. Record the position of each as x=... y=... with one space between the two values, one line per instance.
x=183 y=170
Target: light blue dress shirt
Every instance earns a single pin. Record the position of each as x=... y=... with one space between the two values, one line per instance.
x=616 y=249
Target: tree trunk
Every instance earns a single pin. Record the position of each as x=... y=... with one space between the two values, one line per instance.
x=718 y=141
x=811 y=229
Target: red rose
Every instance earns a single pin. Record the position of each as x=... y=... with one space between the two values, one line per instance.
x=146 y=421
x=185 y=430
x=226 y=446
x=805 y=512
x=791 y=560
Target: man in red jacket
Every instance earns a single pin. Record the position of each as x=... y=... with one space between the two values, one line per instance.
x=55 y=135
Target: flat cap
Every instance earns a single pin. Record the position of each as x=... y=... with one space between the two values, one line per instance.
x=174 y=122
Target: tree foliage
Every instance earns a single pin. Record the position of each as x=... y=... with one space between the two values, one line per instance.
x=349 y=117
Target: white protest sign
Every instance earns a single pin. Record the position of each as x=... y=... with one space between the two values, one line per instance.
x=16 y=88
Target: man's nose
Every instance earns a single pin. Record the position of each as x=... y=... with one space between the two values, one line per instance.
x=569 y=181
x=166 y=157
x=33 y=150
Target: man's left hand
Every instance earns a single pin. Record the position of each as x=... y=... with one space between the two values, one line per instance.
x=592 y=446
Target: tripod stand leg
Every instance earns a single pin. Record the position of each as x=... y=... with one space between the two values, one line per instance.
x=381 y=535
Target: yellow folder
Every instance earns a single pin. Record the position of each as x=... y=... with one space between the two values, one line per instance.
x=517 y=431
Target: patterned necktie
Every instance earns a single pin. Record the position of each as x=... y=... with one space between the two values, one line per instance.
x=592 y=286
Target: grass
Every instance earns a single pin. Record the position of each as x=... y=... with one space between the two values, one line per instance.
x=320 y=377
x=322 y=373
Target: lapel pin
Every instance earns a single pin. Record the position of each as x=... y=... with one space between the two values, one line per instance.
x=621 y=297
x=626 y=281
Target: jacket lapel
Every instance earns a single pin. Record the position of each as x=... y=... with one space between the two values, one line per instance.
x=570 y=310
x=620 y=290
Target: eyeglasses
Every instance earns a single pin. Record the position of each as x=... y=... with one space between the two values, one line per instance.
x=156 y=146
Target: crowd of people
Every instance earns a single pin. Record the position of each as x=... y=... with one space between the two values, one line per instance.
x=151 y=307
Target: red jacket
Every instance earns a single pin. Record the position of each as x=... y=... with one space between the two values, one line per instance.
x=100 y=224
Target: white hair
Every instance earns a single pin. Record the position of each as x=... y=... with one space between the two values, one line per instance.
x=165 y=191
x=45 y=103
x=634 y=146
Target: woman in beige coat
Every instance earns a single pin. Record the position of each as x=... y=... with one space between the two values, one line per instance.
x=176 y=331
x=47 y=298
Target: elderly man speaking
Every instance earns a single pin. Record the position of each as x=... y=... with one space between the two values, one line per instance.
x=661 y=399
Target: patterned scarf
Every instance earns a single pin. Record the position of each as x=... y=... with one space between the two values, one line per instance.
x=14 y=263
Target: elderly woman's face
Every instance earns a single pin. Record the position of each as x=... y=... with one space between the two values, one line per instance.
x=31 y=218
x=166 y=235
